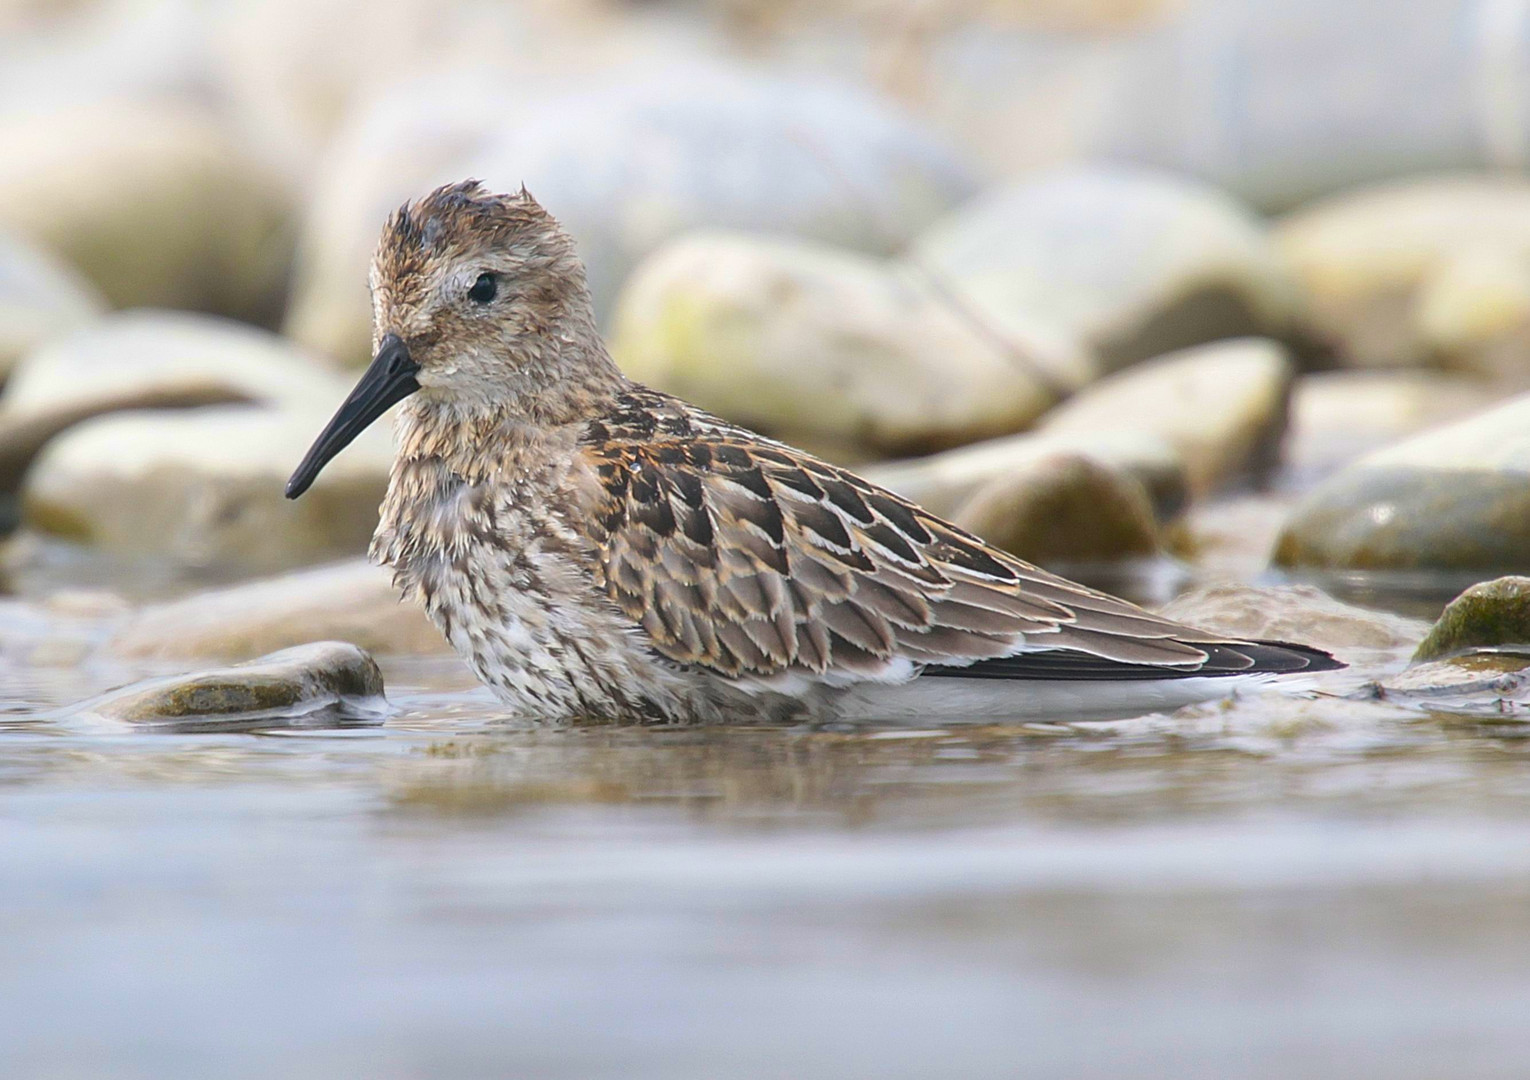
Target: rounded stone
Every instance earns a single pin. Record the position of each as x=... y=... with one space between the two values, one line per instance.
x=1454 y=498
x=1428 y=271
x=1066 y=508
x=41 y=298
x=204 y=487
x=1222 y=406
x=350 y=601
x=1132 y=263
x=153 y=202
x=148 y=359
x=837 y=351
x=1291 y=613
x=284 y=684
x=1488 y=615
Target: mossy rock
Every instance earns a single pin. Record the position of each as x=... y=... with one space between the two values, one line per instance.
x=1489 y=615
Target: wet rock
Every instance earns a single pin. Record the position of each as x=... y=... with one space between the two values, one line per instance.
x=1337 y=416
x=831 y=349
x=1222 y=406
x=153 y=202
x=943 y=482
x=1491 y=683
x=40 y=298
x=1454 y=498
x=1292 y=613
x=626 y=166
x=325 y=677
x=1433 y=271
x=1487 y=615
x=1132 y=263
x=204 y=487
x=351 y=601
x=1065 y=508
x=150 y=360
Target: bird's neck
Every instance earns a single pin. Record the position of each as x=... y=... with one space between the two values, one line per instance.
x=559 y=384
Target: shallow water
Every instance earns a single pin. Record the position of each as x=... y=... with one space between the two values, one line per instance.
x=1274 y=887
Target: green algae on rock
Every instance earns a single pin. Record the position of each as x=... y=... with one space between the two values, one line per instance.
x=1454 y=498
x=1486 y=616
x=291 y=684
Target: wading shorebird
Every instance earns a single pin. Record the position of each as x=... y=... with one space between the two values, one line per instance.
x=596 y=549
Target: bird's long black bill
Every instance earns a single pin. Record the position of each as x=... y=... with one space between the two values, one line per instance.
x=388 y=380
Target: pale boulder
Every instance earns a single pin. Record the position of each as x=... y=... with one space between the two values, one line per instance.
x=1222 y=406
x=350 y=601
x=1130 y=262
x=153 y=201
x=204 y=487
x=837 y=351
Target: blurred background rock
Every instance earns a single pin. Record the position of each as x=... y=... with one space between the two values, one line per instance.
x=1187 y=262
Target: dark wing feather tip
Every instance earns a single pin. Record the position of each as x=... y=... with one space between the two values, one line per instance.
x=1231 y=658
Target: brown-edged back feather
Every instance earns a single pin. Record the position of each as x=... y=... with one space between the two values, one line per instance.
x=751 y=559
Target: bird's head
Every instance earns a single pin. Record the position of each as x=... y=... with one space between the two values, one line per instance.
x=479 y=303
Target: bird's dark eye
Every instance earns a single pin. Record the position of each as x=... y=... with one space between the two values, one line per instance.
x=484 y=289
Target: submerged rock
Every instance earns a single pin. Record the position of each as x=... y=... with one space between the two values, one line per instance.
x=330 y=677
x=1133 y=263
x=351 y=601
x=1222 y=407
x=1298 y=613
x=1482 y=684
x=1487 y=615
x=820 y=346
x=204 y=487
x=152 y=201
x=1455 y=498
x=40 y=298
x=627 y=165
x=1063 y=508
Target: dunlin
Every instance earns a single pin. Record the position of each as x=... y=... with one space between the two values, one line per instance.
x=596 y=549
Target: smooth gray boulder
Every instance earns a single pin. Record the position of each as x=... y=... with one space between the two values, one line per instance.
x=942 y=482
x=1431 y=271
x=150 y=359
x=203 y=487
x=1298 y=613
